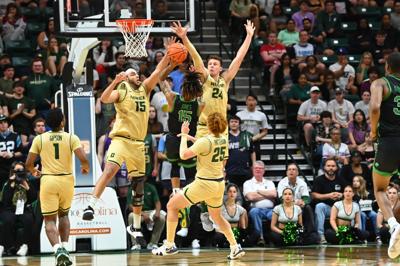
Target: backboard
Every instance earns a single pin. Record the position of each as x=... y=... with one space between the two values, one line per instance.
x=96 y=18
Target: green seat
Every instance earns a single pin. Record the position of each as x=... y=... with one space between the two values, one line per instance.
x=368 y=11
x=386 y=10
x=32 y=14
x=118 y=42
x=354 y=59
x=288 y=11
x=328 y=60
x=374 y=25
x=337 y=42
x=18 y=48
x=348 y=26
x=34 y=28
x=48 y=12
x=21 y=61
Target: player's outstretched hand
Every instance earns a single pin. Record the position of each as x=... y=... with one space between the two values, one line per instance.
x=120 y=77
x=249 y=28
x=180 y=31
x=170 y=40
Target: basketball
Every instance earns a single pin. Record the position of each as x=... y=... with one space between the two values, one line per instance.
x=177 y=52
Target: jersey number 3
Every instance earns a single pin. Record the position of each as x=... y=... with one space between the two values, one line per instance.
x=396 y=110
x=219 y=154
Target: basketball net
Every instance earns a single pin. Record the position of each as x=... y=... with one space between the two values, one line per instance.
x=135 y=32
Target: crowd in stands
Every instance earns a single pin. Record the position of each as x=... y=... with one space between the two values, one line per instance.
x=323 y=79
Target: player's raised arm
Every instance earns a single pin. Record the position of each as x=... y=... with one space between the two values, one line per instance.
x=237 y=61
x=110 y=95
x=152 y=81
x=181 y=32
x=377 y=88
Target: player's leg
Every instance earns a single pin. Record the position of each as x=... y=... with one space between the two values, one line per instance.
x=386 y=163
x=172 y=150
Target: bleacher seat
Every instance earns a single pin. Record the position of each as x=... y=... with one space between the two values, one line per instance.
x=288 y=11
x=368 y=11
x=348 y=27
x=32 y=14
x=18 y=48
x=337 y=42
x=354 y=59
x=374 y=25
x=386 y=10
x=328 y=60
x=21 y=61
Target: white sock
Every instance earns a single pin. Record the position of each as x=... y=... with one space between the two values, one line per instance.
x=64 y=244
x=392 y=223
x=233 y=247
x=93 y=201
x=56 y=246
x=169 y=244
x=137 y=221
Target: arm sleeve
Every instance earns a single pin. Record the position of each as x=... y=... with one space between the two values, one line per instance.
x=75 y=142
x=302 y=109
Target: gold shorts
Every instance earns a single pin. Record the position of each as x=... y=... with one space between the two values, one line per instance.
x=202 y=130
x=56 y=193
x=131 y=152
x=211 y=192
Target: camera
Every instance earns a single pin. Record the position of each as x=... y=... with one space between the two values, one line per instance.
x=20 y=175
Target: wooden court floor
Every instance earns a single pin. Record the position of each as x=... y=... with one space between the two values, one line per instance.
x=316 y=255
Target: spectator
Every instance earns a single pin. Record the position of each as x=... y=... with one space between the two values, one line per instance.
x=160 y=12
x=373 y=74
x=11 y=147
x=366 y=62
x=362 y=39
x=152 y=216
x=44 y=36
x=365 y=198
x=392 y=34
x=381 y=224
x=315 y=34
x=13 y=26
x=329 y=20
x=323 y=134
x=22 y=111
x=344 y=73
x=327 y=189
x=254 y=122
x=241 y=154
x=328 y=87
x=235 y=214
x=299 y=92
x=39 y=127
x=309 y=111
x=285 y=212
x=285 y=76
x=342 y=112
x=120 y=65
x=104 y=142
x=278 y=20
x=254 y=17
x=313 y=71
x=302 y=14
x=356 y=168
x=336 y=149
x=161 y=105
x=104 y=56
x=157 y=45
x=262 y=194
x=177 y=77
x=16 y=197
x=40 y=88
x=289 y=36
x=154 y=127
x=379 y=47
x=5 y=60
x=240 y=11
x=359 y=130
x=105 y=112
x=271 y=53
x=157 y=58
x=7 y=81
x=395 y=16
x=302 y=49
x=301 y=195
x=346 y=213
x=56 y=58
x=363 y=105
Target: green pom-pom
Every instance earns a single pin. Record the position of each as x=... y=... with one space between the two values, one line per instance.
x=345 y=234
x=236 y=232
x=290 y=233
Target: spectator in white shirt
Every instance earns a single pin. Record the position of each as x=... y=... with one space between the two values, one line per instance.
x=254 y=122
x=344 y=72
x=342 y=112
x=363 y=105
x=302 y=49
x=336 y=150
x=309 y=112
x=262 y=194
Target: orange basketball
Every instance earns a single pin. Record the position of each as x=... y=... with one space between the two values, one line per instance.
x=177 y=52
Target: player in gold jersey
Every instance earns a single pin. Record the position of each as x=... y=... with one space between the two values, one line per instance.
x=55 y=149
x=131 y=100
x=215 y=83
x=208 y=185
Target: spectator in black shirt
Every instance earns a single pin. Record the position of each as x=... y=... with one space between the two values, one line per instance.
x=327 y=189
x=392 y=34
x=356 y=167
x=378 y=47
x=120 y=65
x=241 y=154
x=16 y=197
x=363 y=37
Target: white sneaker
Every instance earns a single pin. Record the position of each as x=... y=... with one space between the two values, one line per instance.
x=136 y=247
x=165 y=251
x=183 y=232
x=196 y=244
x=151 y=246
x=206 y=222
x=1 y=250
x=394 y=243
x=236 y=252
x=23 y=250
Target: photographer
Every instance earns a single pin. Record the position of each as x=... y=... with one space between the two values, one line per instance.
x=16 y=197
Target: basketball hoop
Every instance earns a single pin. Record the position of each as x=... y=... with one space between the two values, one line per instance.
x=135 y=32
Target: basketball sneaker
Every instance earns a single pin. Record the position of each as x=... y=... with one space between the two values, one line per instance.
x=236 y=252
x=1 y=250
x=88 y=214
x=62 y=257
x=394 y=243
x=164 y=250
x=137 y=235
x=23 y=250
x=206 y=222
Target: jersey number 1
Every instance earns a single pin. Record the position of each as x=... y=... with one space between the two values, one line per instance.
x=56 y=151
x=219 y=154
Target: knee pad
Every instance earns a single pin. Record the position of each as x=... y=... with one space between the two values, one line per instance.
x=138 y=191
